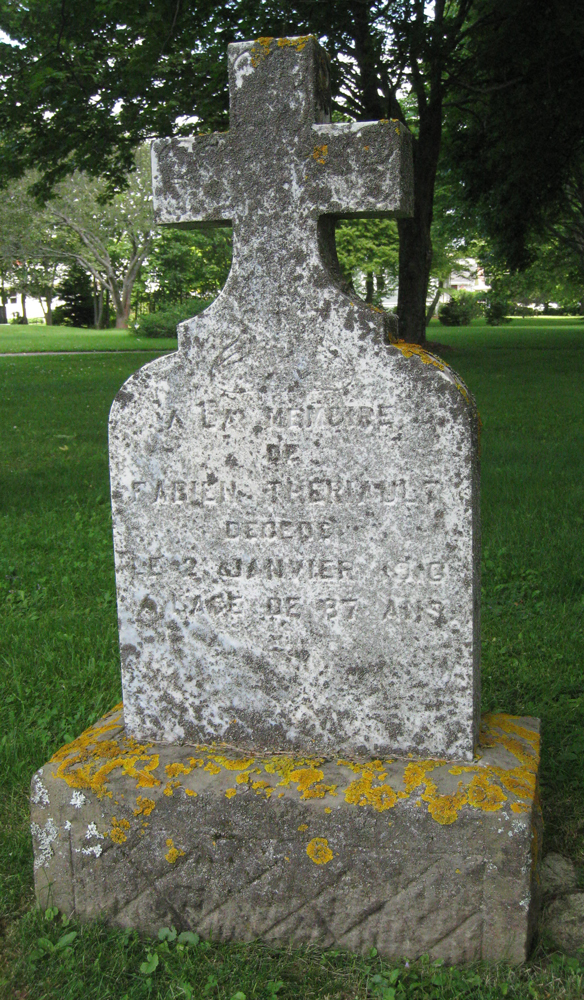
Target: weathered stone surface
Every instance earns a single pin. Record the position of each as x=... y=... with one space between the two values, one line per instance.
x=295 y=500
x=558 y=875
x=563 y=923
x=410 y=856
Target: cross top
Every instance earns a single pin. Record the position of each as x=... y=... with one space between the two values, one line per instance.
x=282 y=172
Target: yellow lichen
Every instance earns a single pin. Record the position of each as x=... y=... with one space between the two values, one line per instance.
x=173 y=853
x=297 y=43
x=230 y=793
x=320 y=154
x=117 y=833
x=144 y=806
x=302 y=827
x=319 y=851
x=443 y=808
x=260 y=50
x=173 y=769
x=482 y=794
x=237 y=765
x=328 y=809
x=92 y=760
x=409 y=350
x=363 y=793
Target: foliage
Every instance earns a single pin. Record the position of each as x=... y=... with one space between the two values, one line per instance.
x=368 y=249
x=460 y=310
x=163 y=323
x=125 y=71
x=184 y=263
x=514 y=136
x=497 y=311
x=110 y=239
x=75 y=292
x=91 y=962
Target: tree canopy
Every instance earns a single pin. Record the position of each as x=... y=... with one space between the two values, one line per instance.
x=82 y=85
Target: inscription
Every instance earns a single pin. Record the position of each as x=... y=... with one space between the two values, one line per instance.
x=409 y=571
x=309 y=417
x=299 y=530
x=276 y=605
x=157 y=565
x=432 y=611
x=332 y=491
x=210 y=491
x=281 y=568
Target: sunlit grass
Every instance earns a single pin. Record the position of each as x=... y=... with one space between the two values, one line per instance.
x=60 y=665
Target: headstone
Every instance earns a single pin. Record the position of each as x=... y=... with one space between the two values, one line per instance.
x=295 y=499
x=296 y=533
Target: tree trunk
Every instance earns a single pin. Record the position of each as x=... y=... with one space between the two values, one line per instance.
x=369 y=287
x=123 y=313
x=49 y=312
x=434 y=302
x=415 y=241
x=98 y=308
x=24 y=318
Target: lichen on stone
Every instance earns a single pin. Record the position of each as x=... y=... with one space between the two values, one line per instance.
x=319 y=851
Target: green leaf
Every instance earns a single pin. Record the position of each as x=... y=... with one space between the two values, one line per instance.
x=167 y=934
x=373 y=953
x=388 y=993
x=51 y=913
x=274 y=986
x=45 y=945
x=239 y=996
x=150 y=964
x=187 y=990
x=188 y=937
x=65 y=940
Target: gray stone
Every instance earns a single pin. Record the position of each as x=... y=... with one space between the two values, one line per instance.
x=558 y=875
x=295 y=499
x=412 y=857
x=563 y=923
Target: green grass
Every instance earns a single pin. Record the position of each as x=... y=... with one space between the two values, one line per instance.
x=60 y=665
x=14 y=339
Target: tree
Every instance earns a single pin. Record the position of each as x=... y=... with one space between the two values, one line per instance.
x=30 y=249
x=109 y=239
x=75 y=292
x=183 y=263
x=85 y=84
x=514 y=133
x=368 y=252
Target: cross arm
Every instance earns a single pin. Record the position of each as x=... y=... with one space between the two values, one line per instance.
x=363 y=169
x=193 y=181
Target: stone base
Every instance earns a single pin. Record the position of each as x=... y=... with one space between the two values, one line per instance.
x=410 y=856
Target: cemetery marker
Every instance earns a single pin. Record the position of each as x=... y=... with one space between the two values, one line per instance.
x=295 y=502
x=296 y=530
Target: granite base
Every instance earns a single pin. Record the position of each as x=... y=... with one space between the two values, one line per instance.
x=409 y=856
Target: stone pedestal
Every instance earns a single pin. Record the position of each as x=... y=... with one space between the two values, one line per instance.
x=410 y=856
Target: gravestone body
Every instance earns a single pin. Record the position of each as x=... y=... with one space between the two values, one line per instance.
x=296 y=533
x=295 y=500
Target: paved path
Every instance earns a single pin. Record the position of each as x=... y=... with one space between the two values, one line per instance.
x=137 y=350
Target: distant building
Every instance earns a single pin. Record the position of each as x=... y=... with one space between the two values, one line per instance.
x=34 y=309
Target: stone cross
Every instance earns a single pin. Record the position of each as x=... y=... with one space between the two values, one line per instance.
x=295 y=499
x=282 y=172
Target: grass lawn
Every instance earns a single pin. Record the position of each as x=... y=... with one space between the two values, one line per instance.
x=60 y=664
x=34 y=337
